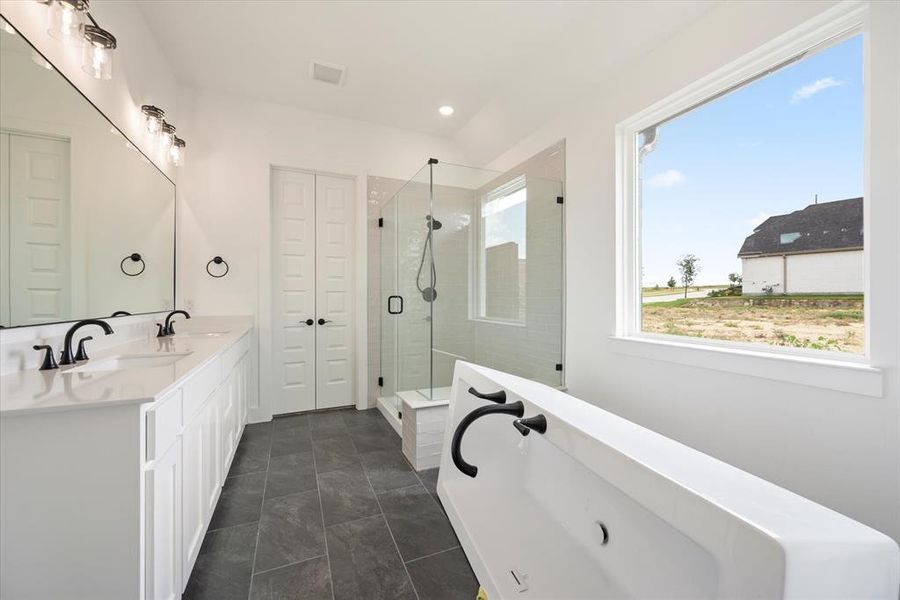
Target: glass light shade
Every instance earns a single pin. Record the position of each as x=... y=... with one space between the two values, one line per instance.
x=153 y=117
x=97 y=52
x=166 y=136
x=176 y=152
x=96 y=60
x=65 y=20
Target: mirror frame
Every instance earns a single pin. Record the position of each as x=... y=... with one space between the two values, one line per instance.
x=151 y=163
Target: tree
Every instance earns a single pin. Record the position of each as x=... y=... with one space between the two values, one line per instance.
x=671 y=283
x=735 y=279
x=689 y=269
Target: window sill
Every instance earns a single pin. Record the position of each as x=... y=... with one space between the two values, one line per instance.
x=827 y=373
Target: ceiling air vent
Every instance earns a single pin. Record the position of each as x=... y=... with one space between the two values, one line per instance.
x=327 y=72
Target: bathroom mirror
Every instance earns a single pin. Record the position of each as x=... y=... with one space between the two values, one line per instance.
x=87 y=222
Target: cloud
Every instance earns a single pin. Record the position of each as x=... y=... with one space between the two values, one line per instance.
x=811 y=89
x=759 y=219
x=669 y=178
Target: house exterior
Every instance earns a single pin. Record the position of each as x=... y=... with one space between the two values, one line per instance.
x=816 y=250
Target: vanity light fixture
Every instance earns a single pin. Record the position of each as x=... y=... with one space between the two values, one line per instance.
x=153 y=116
x=97 y=53
x=176 y=152
x=66 y=19
x=166 y=136
x=70 y=22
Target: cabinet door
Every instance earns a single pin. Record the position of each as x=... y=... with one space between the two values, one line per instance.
x=212 y=450
x=164 y=526
x=243 y=389
x=229 y=421
x=193 y=481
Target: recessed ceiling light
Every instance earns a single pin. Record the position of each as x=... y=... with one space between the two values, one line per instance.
x=446 y=110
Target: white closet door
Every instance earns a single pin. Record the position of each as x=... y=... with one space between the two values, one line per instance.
x=39 y=248
x=334 y=290
x=4 y=230
x=294 y=290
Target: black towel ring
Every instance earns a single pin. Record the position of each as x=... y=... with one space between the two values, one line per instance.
x=135 y=258
x=219 y=261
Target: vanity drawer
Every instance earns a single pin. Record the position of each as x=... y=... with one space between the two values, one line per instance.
x=198 y=388
x=163 y=424
x=234 y=354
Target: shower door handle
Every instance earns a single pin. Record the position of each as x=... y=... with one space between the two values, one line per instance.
x=390 y=304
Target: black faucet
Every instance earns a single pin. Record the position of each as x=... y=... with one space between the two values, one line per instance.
x=68 y=357
x=516 y=409
x=169 y=328
x=537 y=423
x=121 y=313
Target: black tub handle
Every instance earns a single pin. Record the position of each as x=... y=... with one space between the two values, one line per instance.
x=516 y=409
x=498 y=397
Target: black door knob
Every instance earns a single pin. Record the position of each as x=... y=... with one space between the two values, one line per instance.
x=323 y=321
x=308 y=321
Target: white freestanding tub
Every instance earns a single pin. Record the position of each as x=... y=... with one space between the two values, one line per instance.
x=599 y=507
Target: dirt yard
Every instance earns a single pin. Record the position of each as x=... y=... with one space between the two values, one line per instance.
x=820 y=323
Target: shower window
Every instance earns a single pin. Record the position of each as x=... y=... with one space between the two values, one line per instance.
x=501 y=253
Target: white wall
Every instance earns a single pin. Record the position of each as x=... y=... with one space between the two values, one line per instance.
x=826 y=273
x=761 y=272
x=141 y=73
x=839 y=449
x=224 y=200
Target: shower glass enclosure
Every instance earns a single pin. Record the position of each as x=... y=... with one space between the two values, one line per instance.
x=472 y=269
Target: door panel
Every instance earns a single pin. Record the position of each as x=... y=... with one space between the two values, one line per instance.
x=294 y=299
x=334 y=291
x=39 y=220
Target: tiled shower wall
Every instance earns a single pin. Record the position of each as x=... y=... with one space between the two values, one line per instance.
x=531 y=350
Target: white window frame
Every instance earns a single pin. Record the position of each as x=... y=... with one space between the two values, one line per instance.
x=479 y=300
x=852 y=373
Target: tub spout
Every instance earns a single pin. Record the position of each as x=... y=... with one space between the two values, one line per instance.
x=537 y=423
x=516 y=409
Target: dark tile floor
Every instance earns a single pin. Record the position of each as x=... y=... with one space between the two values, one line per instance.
x=325 y=505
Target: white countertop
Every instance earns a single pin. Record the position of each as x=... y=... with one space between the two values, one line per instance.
x=71 y=388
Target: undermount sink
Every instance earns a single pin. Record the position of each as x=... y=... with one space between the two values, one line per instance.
x=212 y=334
x=131 y=361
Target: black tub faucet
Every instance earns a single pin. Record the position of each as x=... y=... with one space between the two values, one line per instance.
x=517 y=409
x=169 y=328
x=68 y=356
x=536 y=423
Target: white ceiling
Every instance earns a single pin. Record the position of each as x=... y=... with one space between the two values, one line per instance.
x=506 y=60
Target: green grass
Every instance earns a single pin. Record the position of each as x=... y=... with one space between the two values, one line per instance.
x=649 y=292
x=846 y=315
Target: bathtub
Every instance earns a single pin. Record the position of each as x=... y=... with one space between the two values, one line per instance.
x=599 y=507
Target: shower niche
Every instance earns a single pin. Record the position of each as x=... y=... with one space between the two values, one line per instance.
x=470 y=268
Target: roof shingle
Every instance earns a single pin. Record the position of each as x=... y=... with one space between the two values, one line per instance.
x=827 y=226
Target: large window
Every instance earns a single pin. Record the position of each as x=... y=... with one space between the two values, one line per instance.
x=501 y=257
x=748 y=208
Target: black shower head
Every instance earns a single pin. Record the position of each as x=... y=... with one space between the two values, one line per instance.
x=433 y=224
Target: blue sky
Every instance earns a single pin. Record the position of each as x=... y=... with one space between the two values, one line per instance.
x=766 y=149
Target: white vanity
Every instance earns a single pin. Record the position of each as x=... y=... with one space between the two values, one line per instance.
x=110 y=469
